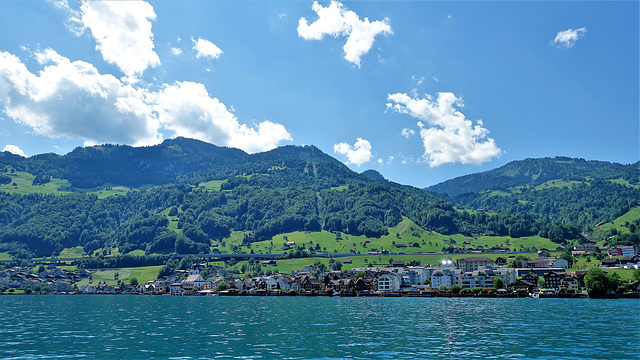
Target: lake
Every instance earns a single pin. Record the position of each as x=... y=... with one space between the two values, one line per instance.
x=164 y=327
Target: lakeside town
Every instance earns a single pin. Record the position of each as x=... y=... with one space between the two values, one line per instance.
x=468 y=276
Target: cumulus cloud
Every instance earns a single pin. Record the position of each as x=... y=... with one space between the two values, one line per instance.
x=568 y=38
x=73 y=100
x=122 y=30
x=406 y=132
x=205 y=48
x=176 y=51
x=336 y=20
x=448 y=136
x=14 y=150
x=357 y=154
x=187 y=110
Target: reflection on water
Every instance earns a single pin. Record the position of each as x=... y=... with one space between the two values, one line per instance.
x=162 y=327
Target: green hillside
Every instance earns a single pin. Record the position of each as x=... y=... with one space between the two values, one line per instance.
x=186 y=196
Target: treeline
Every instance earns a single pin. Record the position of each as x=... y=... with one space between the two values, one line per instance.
x=584 y=204
x=45 y=224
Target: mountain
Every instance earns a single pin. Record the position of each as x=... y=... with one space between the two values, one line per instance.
x=577 y=191
x=202 y=194
x=374 y=175
x=536 y=172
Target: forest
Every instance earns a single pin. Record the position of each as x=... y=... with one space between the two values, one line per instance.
x=261 y=195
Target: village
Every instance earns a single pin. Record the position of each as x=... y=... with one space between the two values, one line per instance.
x=468 y=276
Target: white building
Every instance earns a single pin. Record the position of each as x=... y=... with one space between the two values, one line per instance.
x=389 y=282
x=442 y=277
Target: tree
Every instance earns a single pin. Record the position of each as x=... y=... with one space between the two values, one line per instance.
x=456 y=289
x=133 y=281
x=337 y=266
x=636 y=275
x=222 y=286
x=598 y=283
x=498 y=283
x=442 y=288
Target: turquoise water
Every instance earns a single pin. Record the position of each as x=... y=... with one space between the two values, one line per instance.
x=163 y=327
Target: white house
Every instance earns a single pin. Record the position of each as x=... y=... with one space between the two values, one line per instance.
x=442 y=277
x=389 y=282
x=193 y=281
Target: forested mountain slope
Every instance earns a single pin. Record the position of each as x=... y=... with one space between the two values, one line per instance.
x=205 y=193
x=576 y=191
x=536 y=172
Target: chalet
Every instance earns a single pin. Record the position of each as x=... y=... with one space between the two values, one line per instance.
x=524 y=284
x=400 y=245
x=397 y=263
x=613 y=262
x=553 y=280
x=630 y=259
x=501 y=261
x=364 y=284
x=310 y=284
x=269 y=263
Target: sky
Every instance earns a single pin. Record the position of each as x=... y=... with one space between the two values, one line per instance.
x=421 y=91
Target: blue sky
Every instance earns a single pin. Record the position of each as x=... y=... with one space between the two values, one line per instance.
x=420 y=91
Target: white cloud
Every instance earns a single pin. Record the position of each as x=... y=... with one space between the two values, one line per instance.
x=187 y=110
x=357 y=154
x=448 y=136
x=14 y=150
x=390 y=160
x=73 y=100
x=568 y=38
x=406 y=132
x=122 y=30
x=176 y=51
x=205 y=48
x=336 y=20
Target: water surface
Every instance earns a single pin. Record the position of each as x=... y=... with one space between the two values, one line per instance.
x=164 y=327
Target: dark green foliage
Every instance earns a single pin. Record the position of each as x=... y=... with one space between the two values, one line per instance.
x=598 y=283
x=4 y=179
x=535 y=172
x=287 y=189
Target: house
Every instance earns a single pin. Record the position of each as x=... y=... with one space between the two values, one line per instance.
x=553 y=280
x=501 y=261
x=175 y=288
x=400 y=245
x=192 y=282
x=63 y=286
x=364 y=284
x=269 y=263
x=524 y=284
x=473 y=263
x=630 y=259
x=388 y=282
x=310 y=284
x=397 y=263
x=612 y=262
x=442 y=277
x=570 y=283
x=347 y=261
